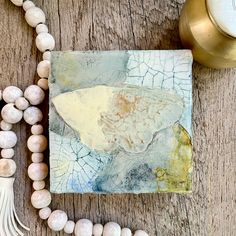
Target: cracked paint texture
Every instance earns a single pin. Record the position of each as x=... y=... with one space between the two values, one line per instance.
x=120 y=122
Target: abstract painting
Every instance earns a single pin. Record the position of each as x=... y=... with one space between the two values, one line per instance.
x=120 y=121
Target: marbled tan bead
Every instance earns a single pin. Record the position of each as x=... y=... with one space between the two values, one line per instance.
x=7 y=168
x=37 y=171
x=41 y=28
x=111 y=229
x=43 y=83
x=34 y=94
x=37 y=157
x=47 y=55
x=44 y=42
x=41 y=198
x=44 y=213
x=37 y=143
x=37 y=129
x=34 y=16
x=39 y=185
x=57 y=220
x=27 y=5
x=11 y=93
x=5 y=126
x=32 y=115
x=43 y=68
x=10 y=114
x=126 y=232
x=84 y=227
x=7 y=153
x=140 y=233
x=0 y=95
x=69 y=227
x=18 y=3
x=21 y=103
x=8 y=139
x=97 y=230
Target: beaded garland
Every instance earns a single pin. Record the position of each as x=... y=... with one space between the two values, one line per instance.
x=23 y=105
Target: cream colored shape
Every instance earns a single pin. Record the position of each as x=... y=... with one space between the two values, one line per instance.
x=107 y=117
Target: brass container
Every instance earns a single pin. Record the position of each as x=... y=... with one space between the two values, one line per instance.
x=198 y=31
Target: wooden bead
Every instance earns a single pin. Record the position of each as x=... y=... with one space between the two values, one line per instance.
x=18 y=3
x=140 y=233
x=37 y=157
x=10 y=114
x=5 y=126
x=69 y=227
x=45 y=213
x=37 y=171
x=21 y=103
x=27 y=5
x=43 y=83
x=34 y=16
x=11 y=93
x=43 y=68
x=37 y=129
x=47 y=55
x=111 y=229
x=37 y=143
x=41 y=28
x=97 y=230
x=44 y=42
x=57 y=220
x=84 y=227
x=7 y=153
x=32 y=115
x=34 y=94
x=7 y=168
x=126 y=232
x=41 y=198
x=39 y=185
x=8 y=139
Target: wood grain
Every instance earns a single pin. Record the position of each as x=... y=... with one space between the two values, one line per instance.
x=132 y=24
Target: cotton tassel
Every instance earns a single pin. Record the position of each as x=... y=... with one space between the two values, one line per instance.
x=8 y=216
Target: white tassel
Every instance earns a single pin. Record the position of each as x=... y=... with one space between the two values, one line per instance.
x=8 y=216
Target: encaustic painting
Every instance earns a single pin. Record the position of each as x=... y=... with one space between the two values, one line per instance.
x=120 y=122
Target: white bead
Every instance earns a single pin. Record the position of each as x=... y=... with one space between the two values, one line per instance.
x=84 y=227
x=37 y=143
x=10 y=114
x=27 y=5
x=45 y=213
x=34 y=94
x=7 y=168
x=21 y=103
x=11 y=93
x=37 y=171
x=39 y=185
x=37 y=129
x=126 y=232
x=37 y=157
x=140 y=233
x=97 y=230
x=7 y=153
x=41 y=28
x=44 y=42
x=69 y=227
x=111 y=229
x=34 y=16
x=57 y=220
x=43 y=68
x=47 y=55
x=5 y=126
x=33 y=115
x=18 y=3
x=43 y=83
x=41 y=198
x=8 y=139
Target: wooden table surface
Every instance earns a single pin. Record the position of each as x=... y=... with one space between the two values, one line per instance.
x=131 y=24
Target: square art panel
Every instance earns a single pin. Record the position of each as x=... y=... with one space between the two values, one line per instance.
x=120 y=122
